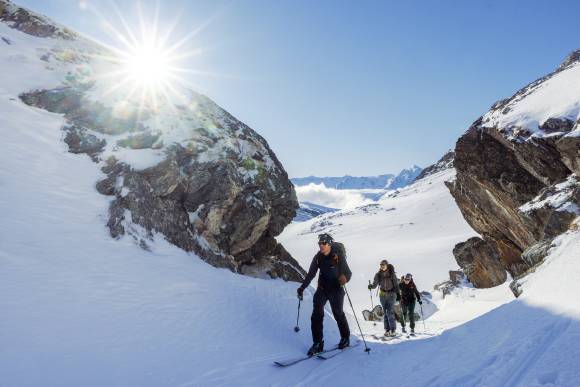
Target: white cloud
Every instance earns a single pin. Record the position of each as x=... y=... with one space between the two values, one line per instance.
x=330 y=197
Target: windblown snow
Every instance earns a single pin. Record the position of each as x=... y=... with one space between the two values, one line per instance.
x=81 y=309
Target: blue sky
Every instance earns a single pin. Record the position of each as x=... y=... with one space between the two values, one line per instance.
x=354 y=87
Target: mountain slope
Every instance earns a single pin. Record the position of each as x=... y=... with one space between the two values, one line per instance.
x=309 y=210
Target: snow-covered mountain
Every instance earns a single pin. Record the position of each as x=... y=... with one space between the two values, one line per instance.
x=309 y=210
x=82 y=309
x=388 y=181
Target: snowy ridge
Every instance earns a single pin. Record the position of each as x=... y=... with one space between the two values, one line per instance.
x=33 y=23
x=526 y=113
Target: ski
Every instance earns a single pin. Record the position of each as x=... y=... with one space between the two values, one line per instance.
x=332 y=353
x=387 y=338
x=298 y=359
x=289 y=362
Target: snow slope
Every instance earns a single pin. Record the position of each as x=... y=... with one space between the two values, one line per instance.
x=81 y=309
x=309 y=210
x=531 y=341
x=557 y=96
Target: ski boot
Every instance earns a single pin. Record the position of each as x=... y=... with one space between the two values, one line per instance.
x=404 y=330
x=344 y=342
x=316 y=348
x=412 y=331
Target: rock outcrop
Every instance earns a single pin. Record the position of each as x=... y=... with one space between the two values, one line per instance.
x=517 y=169
x=480 y=262
x=175 y=164
x=32 y=23
x=227 y=206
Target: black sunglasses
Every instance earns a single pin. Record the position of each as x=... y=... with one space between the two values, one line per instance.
x=322 y=243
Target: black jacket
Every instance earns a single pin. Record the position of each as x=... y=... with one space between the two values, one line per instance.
x=387 y=280
x=331 y=267
x=409 y=292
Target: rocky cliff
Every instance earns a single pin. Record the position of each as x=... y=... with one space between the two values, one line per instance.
x=517 y=176
x=177 y=166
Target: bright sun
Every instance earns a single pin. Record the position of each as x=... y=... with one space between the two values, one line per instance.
x=149 y=66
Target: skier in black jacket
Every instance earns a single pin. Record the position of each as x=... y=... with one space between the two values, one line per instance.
x=334 y=274
x=409 y=294
x=387 y=281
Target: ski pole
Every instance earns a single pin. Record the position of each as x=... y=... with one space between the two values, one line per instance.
x=367 y=349
x=423 y=318
x=297 y=328
x=372 y=305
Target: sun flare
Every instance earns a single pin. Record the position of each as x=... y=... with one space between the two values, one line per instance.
x=148 y=65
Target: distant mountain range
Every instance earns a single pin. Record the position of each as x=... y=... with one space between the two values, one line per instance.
x=310 y=210
x=388 y=181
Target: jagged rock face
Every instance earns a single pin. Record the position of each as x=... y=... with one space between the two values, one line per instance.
x=31 y=23
x=480 y=262
x=516 y=181
x=180 y=166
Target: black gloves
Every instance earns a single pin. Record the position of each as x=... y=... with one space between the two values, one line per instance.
x=300 y=292
x=398 y=296
x=370 y=287
x=420 y=302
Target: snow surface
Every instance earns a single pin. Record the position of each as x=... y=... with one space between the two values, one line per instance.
x=560 y=199
x=81 y=309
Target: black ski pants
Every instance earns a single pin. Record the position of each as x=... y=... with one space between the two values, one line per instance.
x=408 y=313
x=336 y=299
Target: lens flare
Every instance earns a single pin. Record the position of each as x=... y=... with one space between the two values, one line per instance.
x=148 y=65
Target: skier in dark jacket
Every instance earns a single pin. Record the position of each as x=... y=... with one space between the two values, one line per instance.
x=334 y=274
x=409 y=294
x=387 y=281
